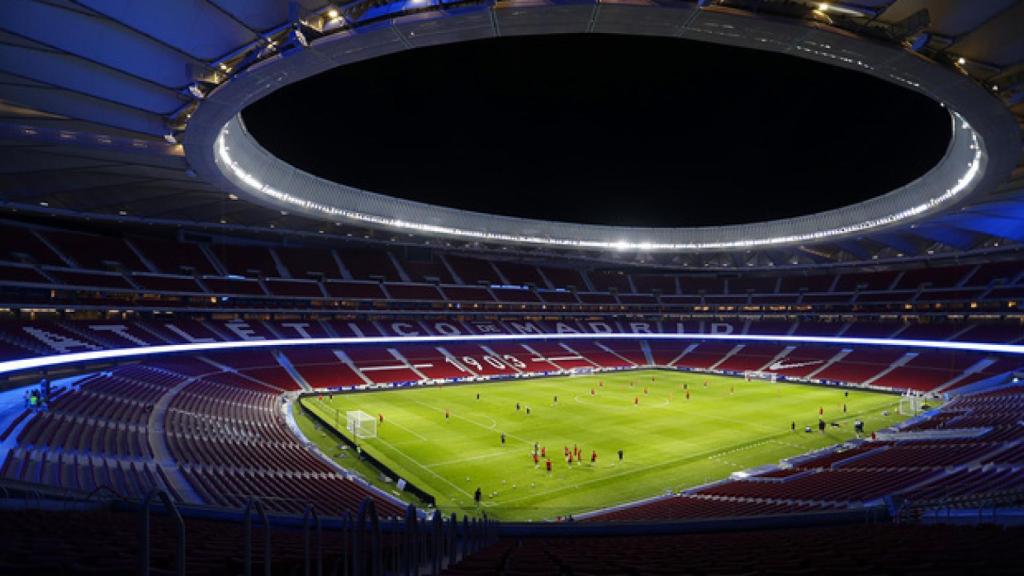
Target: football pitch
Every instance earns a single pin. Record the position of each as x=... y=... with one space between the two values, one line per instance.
x=668 y=442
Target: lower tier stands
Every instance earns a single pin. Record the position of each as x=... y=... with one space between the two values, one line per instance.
x=104 y=538
x=856 y=549
x=968 y=470
x=211 y=428
x=920 y=370
x=203 y=434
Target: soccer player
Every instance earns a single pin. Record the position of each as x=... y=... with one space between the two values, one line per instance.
x=535 y=447
x=536 y=460
x=705 y=383
x=502 y=438
x=565 y=452
x=548 y=465
x=476 y=496
x=447 y=414
x=477 y=395
x=380 y=416
x=645 y=390
x=556 y=399
x=636 y=401
x=527 y=410
x=591 y=391
x=844 y=407
x=687 y=394
x=569 y=460
x=792 y=426
x=517 y=406
x=620 y=454
x=543 y=451
x=593 y=457
x=821 y=411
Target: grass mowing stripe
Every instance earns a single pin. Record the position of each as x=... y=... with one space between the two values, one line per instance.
x=426 y=469
x=669 y=441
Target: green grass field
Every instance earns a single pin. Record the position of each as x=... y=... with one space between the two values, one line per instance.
x=669 y=442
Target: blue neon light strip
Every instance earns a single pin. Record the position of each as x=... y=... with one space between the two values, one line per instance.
x=40 y=362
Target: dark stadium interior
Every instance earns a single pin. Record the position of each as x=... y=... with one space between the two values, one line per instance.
x=209 y=365
x=564 y=127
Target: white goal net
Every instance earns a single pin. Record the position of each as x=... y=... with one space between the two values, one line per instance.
x=360 y=424
x=911 y=404
x=755 y=375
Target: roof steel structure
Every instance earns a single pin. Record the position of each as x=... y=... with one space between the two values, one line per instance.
x=97 y=96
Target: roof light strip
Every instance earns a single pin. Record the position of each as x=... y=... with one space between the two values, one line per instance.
x=223 y=152
x=42 y=362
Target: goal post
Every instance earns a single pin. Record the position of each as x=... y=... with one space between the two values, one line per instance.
x=749 y=375
x=910 y=404
x=360 y=424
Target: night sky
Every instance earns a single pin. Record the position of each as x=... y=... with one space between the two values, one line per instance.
x=606 y=129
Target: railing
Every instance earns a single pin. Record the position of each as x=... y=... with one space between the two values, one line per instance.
x=985 y=506
x=311 y=513
x=372 y=546
x=144 y=541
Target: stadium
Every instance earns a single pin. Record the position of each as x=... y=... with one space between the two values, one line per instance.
x=511 y=287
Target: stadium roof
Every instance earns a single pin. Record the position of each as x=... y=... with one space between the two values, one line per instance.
x=98 y=96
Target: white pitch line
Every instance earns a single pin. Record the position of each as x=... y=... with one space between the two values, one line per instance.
x=469 y=459
x=664 y=463
x=407 y=429
x=427 y=470
x=493 y=425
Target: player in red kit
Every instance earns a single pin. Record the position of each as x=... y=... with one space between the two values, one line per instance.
x=593 y=457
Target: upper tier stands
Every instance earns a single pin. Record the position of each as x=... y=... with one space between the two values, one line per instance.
x=66 y=261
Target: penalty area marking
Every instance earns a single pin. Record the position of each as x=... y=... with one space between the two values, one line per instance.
x=424 y=468
x=469 y=459
x=421 y=466
x=407 y=429
x=493 y=425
